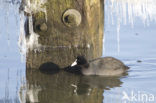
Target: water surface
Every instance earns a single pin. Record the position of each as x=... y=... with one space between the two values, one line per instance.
x=130 y=38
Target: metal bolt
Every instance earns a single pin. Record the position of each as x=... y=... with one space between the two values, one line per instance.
x=71 y=18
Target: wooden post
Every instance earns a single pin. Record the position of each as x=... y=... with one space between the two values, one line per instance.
x=68 y=28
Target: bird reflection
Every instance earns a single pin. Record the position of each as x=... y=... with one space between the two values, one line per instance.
x=49 y=84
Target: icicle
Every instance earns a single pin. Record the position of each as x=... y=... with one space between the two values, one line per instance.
x=144 y=9
x=104 y=43
x=32 y=41
x=118 y=36
x=127 y=11
x=22 y=39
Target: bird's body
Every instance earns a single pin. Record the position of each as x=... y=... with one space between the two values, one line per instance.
x=107 y=66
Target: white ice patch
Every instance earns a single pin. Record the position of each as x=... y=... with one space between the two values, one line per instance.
x=30 y=43
x=34 y=6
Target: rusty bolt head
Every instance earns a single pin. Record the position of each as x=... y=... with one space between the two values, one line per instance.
x=71 y=18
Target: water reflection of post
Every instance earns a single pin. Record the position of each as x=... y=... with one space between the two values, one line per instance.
x=63 y=87
x=66 y=28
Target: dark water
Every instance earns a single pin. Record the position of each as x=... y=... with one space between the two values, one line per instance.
x=137 y=50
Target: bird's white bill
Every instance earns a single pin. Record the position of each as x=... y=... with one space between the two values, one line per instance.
x=75 y=63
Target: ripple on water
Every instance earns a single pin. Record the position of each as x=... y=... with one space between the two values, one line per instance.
x=142 y=70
